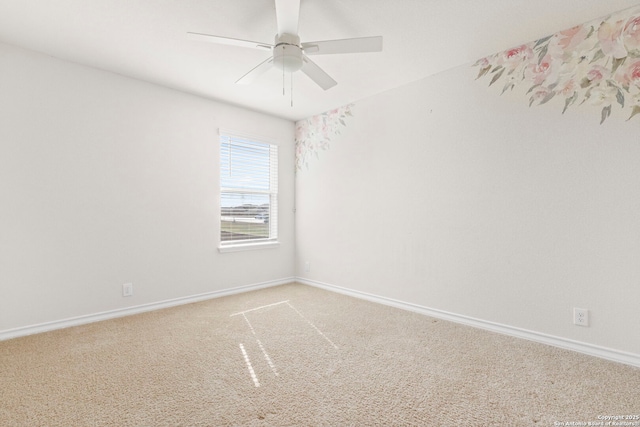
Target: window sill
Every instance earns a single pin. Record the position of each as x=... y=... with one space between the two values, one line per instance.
x=238 y=247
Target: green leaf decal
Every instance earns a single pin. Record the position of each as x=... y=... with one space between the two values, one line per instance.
x=599 y=55
x=591 y=31
x=547 y=98
x=636 y=110
x=532 y=88
x=496 y=77
x=606 y=112
x=543 y=53
x=483 y=71
x=569 y=101
x=542 y=40
x=617 y=62
x=587 y=95
x=620 y=98
x=507 y=87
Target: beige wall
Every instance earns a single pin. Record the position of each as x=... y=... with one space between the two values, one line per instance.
x=440 y=193
x=106 y=180
x=444 y=194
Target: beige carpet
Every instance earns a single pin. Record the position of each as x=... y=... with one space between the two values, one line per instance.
x=295 y=355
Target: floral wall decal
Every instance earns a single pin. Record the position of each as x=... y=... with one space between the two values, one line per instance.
x=317 y=132
x=597 y=63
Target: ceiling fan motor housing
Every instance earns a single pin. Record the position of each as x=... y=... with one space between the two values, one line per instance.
x=287 y=54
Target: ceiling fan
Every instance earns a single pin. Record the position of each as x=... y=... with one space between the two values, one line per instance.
x=288 y=54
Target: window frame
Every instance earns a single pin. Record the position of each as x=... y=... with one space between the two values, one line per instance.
x=253 y=243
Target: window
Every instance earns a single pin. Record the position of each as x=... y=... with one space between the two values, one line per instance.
x=248 y=192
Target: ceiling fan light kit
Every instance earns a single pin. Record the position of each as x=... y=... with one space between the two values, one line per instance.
x=288 y=54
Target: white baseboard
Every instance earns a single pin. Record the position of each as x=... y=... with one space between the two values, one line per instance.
x=581 y=347
x=128 y=311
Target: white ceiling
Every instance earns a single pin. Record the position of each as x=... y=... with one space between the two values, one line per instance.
x=146 y=39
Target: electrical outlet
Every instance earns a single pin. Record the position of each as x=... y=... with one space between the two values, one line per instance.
x=307 y=267
x=127 y=289
x=580 y=316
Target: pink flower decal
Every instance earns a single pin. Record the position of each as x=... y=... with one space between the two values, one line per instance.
x=569 y=39
x=539 y=72
x=630 y=75
x=568 y=88
x=632 y=33
x=514 y=57
x=597 y=73
x=317 y=132
x=483 y=63
x=602 y=94
x=596 y=63
x=610 y=38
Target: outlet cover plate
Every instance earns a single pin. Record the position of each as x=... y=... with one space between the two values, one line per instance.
x=580 y=316
x=127 y=289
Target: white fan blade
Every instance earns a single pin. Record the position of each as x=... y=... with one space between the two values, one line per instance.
x=255 y=72
x=357 y=45
x=228 y=41
x=316 y=74
x=287 y=16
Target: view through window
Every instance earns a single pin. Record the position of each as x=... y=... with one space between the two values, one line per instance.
x=249 y=190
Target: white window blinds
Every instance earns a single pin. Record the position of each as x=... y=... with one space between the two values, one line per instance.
x=248 y=190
